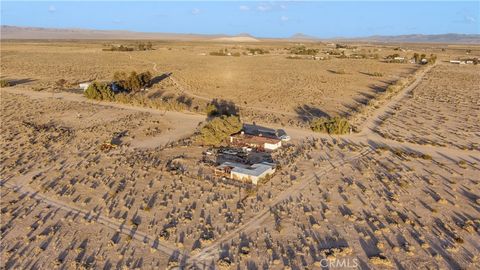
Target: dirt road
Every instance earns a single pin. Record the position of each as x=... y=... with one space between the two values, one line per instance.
x=181 y=124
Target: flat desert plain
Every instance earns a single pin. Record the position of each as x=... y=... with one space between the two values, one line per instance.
x=88 y=184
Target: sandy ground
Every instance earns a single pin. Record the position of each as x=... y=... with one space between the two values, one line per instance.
x=372 y=202
x=440 y=111
x=266 y=86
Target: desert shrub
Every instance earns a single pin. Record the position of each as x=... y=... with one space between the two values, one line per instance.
x=5 y=83
x=99 y=91
x=221 y=52
x=217 y=130
x=293 y=57
x=257 y=51
x=375 y=74
x=132 y=82
x=144 y=46
x=236 y=54
x=120 y=48
x=302 y=50
x=335 y=125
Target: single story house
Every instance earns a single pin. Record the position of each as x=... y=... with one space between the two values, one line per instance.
x=258 y=142
x=246 y=173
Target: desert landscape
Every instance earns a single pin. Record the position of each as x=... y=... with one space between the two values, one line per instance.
x=127 y=183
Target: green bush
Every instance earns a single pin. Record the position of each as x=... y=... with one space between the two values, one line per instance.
x=217 y=130
x=302 y=50
x=99 y=91
x=132 y=82
x=257 y=51
x=5 y=83
x=334 y=125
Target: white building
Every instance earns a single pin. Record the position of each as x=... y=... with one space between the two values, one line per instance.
x=246 y=173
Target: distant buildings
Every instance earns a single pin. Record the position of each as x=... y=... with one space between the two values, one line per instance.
x=245 y=173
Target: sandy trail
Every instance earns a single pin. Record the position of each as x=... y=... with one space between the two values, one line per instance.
x=181 y=124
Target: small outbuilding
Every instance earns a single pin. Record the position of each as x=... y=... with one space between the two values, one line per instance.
x=245 y=173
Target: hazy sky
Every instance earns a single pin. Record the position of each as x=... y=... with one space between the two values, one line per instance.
x=262 y=19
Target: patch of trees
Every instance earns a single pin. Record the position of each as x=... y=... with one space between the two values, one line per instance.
x=219 y=129
x=221 y=52
x=122 y=82
x=120 y=48
x=257 y=51
x=335 y=125
x=302 y=50
x=419 y=58
x=124 y=48
x=145 y=46
x=131 y=82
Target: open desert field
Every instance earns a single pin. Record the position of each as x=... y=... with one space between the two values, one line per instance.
x=96 y=184
x=269 y=87
x=440 y=111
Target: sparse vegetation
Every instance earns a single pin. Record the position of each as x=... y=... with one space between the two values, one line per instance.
x=257 y=51
x=335 y=125
x=120 y=48
x=375 y=74
x=221 y=52
x=302 y=50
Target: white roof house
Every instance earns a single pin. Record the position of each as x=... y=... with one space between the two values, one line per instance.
x=249 y=173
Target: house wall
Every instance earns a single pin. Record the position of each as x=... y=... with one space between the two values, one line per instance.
x=250 y=178
x=272 y=146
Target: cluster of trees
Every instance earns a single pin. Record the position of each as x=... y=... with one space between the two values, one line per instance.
x=224 y=52
x=139 y=47
x=218 y=129
x=122 y=82
x=221 y=52
x=120 y=48
x=257 y=51
x=419 y=57
x=335 y=125
x=302 y=50
x=145 y=46
x=133 y=82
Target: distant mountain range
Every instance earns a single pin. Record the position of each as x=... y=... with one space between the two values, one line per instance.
x=16 y=32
